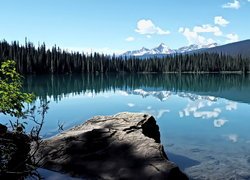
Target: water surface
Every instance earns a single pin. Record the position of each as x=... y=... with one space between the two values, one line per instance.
x=203 y=119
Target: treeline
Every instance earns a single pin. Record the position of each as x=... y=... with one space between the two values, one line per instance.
x=40 y=60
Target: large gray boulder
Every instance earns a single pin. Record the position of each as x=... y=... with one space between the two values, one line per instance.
x=123 y=146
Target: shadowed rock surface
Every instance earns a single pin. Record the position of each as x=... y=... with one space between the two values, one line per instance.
x=14 y=151
x=123 y=146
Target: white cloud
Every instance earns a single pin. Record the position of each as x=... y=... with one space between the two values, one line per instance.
x=232 y=38
x=207 y=28
x=148 y=36
x=220 y=21
x=129 y=39
x=194 y=37
x=232 y=5
x=147 y=27
x=131 y=104
x=219 y=122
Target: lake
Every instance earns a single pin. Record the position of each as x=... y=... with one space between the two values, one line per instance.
x=204 y=119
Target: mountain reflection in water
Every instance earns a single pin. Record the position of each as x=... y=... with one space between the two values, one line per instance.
x=234 y=87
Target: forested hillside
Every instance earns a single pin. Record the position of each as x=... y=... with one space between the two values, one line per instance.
x=40 y=60
x=233 y=49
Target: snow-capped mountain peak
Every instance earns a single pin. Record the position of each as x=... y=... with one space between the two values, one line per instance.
x=139 y=52
x=162 y=46
x=144 y=49
x=163 y=49
x=184 y=49
x=210 y=45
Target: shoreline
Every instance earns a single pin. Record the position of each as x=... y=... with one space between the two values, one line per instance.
x=172 y=72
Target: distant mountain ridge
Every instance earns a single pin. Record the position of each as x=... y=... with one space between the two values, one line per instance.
x=233 y=49
x=163 y=49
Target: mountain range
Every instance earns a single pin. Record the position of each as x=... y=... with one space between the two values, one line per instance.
x=163 y=49
x=233 y=49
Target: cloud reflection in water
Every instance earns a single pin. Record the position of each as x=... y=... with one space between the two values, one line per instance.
x=219 y=122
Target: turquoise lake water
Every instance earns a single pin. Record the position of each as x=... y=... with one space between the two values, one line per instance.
x=204 y=119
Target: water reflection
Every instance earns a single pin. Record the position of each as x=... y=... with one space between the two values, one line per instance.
x=233 y=137
x=219 y=122
x=194 y=108
x=203 y=119
x=231 y=106
x=233 y=87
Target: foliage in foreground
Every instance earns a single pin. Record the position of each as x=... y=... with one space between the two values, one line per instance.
x=11 y=97
x=16 y=161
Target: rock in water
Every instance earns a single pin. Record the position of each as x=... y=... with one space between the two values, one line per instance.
x=123 y=146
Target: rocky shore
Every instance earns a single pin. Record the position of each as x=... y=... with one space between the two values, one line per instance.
x=123 y=146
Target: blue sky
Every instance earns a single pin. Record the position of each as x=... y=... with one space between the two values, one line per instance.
x=119 y=25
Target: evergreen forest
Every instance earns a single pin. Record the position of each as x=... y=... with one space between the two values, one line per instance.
x=42 y=60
